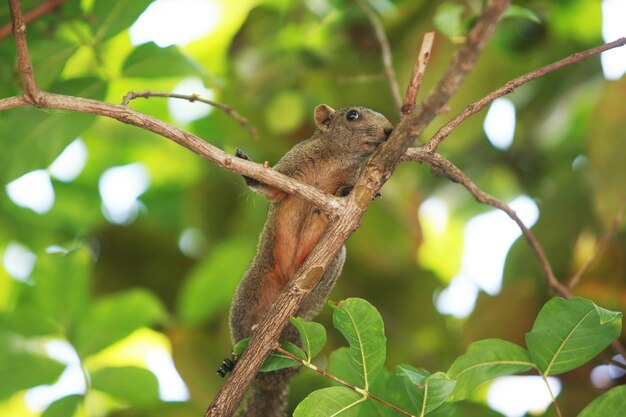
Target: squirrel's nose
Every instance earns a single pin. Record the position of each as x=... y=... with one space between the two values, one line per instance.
x=388 y=131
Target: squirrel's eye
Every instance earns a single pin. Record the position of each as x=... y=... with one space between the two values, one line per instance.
x=352 y=115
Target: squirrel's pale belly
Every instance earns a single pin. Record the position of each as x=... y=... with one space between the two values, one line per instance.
x=301 y=227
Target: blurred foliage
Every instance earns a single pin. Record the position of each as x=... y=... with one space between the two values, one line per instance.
x=104 y=284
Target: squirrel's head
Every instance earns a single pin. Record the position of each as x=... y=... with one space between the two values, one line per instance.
x=357 y=128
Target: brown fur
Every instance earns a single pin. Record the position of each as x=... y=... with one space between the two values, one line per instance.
x=330 y=160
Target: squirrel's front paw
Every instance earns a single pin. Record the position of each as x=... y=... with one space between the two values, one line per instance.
x=228 y=364
x=250 y=182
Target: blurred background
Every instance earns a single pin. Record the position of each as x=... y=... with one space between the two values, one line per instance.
x=120 y=251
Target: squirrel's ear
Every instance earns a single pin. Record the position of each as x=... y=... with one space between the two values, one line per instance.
x=323 y=116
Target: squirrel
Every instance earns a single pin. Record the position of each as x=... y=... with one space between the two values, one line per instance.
x=331 y=160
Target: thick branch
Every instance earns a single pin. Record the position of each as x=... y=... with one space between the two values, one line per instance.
x=510 y=86
x=220 y=158
x=39 y=11
x=376 y=173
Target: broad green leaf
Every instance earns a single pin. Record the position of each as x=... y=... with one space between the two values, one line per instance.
x=210 y=286
x=521 y=12
x=20 y=370
x=327 y=402
x=150 y=61
x=33 y=138
x=426 y=391
x=484 y=361
x=110 y=17
x=113 y=318
x=448 y=21
x=361 y=324
x=275 y=360
x=64 y=407
x=610 y=404
x=568 y=333
x=313 y=336
x=138 y=386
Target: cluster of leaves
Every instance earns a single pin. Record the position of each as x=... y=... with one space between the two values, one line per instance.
x=567 y=333
x=57 y=304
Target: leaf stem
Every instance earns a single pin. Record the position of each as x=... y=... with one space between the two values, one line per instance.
x=556 y=404
x=342 y=382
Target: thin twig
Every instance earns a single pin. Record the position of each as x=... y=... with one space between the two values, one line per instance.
x=229 y=110
x=32 y=92
x=39 y=11
x=385 y=50
x=444 y=167
x=418 y=74
x=599 y=247
x=341 y=381
x=510 y=86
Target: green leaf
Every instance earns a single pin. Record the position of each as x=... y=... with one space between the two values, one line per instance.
x=33 y=138
x=610 y=404
x=150 y=61
x=210 y=286
x=111 y=17
x=313 y=336
x=568 y=333
x=484 y=361
x=64 y=407
x=113 y=318
x=327 y=402
x=361 y=324
x=138 y=386
x=19 y=371
x=275 y=360
x=521 y=12
x=427 y=392
x=448 y=21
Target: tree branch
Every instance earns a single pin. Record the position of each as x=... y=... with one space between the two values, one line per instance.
x=229 y=110
x=385 y=50
x=510 y=86
x=443 y=166
x=327 y=202
x=418 y=74
x=32 y=92
x=43 y=9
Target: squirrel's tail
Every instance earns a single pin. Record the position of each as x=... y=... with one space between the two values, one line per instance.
x=267 y=396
